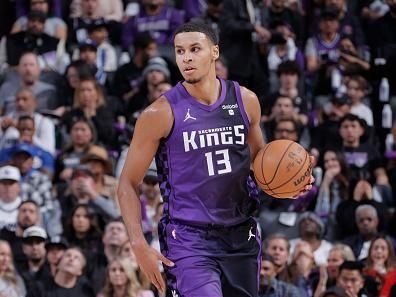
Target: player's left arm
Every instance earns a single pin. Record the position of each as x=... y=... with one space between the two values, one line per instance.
x=253 y=111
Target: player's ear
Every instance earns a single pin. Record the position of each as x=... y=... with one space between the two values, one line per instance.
x=215 y=52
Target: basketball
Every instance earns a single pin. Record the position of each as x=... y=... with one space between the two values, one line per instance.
x=282 y=168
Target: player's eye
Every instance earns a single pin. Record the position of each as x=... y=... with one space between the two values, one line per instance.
x=179 y=51
x=195 y=49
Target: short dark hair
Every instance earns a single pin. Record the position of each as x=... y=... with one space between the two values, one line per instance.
x=352 y=118
x=199 y=27
x=26 y=118
x=289 y=67
x=352 y=265
x=143 y=40
x=28 y=201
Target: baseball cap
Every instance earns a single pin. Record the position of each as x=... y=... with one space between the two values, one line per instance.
x=56 y=241
x=37 y=15
x=100 y=23
x=34 y=232
x=24 y=148
x=10 y=173
x=87 y=44
x=157 y=63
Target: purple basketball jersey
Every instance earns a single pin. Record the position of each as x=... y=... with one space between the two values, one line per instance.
x=204 y=164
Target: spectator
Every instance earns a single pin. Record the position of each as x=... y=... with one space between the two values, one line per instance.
x=240 y=32
x=333 y=189
x=154 y=17
x=328 y=274
x=29 y=77
x=353 y=60
x=82 y=137
x=28 y=215
x=128 y=78
x=10 y=199
x=41 y=160
x=11 y=284
x=278 y=247
x=68 y=280
x=82 y=229
x=302 y=265
x=53 y=26
x=110 y=12
x=356 y=90
x=311 y=229
x=89 y=102
x=121 y=280
x=35 y=268
x=82 y=190
x=115 y=235
x=100 y=165
x=80 y=22
x=351 y=278
x=269 y=285
x=55 y=248
x=367 y=222
x=25 y=105
x=211 y=16
x=50 y=50
x=362 y=157
x=380 y=263
x=289 y=75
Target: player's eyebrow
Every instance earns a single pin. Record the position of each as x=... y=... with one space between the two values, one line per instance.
x=191 y=45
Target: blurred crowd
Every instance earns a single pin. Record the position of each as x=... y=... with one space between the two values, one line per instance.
x=76 y=74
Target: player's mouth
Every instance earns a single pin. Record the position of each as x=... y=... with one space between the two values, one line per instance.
x=189 y=70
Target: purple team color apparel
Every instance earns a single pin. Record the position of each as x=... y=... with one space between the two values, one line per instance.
x=204 y=172
x=160 y=26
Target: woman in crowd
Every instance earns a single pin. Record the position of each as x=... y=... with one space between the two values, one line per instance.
x=380 y=263
x=89 y=101
x=82 y=136
x=11 y=285
x=328 y=275
x=333 y=189
x=82 y=229
x=121 y=281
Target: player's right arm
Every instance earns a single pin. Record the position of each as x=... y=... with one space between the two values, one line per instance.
x=153 y=124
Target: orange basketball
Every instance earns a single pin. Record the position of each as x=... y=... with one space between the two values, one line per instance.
x=282 y=168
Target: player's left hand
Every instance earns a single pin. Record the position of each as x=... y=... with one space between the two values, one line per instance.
x=308 y=186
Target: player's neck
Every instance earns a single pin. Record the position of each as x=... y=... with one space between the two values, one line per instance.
x=206 y=91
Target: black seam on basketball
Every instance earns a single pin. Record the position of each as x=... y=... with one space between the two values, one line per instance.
x=277 y=187
x=268 y=191
x=261 y=164
x=277 y=167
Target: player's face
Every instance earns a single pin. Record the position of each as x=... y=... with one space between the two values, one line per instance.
x=195 y=55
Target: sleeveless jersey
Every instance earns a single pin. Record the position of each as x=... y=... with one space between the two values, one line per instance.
x=204 y=164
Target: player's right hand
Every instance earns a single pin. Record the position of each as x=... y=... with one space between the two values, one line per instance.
x=147 y=258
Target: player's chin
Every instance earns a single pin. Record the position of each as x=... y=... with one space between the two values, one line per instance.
x=192 y=80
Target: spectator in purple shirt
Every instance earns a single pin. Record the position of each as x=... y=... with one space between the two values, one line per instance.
x=154 y=17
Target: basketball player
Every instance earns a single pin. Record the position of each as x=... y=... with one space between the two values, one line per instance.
x=204 y=132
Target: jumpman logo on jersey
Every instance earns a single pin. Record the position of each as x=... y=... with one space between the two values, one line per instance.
x=188 y=116
x=251 y=234
x=174 y=293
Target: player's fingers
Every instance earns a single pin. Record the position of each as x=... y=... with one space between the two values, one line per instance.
x=160 y=281
x=164 y=260
x=312 y=159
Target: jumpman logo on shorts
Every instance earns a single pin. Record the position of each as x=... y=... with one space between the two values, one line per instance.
x=251 y=234
x=188 y=116
x=174 y=293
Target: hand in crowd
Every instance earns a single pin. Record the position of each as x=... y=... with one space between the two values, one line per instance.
x=66 y=174
x=7 y=122
x=262 y=33
x=86 y=186
x=363 y=190
x=330 y=174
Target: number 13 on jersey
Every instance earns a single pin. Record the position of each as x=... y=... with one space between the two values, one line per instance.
x=221 y=158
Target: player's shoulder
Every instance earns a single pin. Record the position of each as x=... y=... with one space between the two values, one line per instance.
x=158 y=115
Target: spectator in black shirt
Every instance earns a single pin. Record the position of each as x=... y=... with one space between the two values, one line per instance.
x=28 y=215
x=35 y=268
